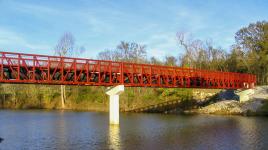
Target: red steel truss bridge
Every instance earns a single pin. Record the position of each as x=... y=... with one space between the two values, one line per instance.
x=43 y=69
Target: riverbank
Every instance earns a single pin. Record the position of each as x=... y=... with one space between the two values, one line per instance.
x=233 y=107
x=257 y=105
x=79 y=98
x=87 y=98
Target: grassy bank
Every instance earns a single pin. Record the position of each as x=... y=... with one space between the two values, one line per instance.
x=26 y=96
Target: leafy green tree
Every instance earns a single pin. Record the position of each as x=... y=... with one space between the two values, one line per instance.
x=253 y=41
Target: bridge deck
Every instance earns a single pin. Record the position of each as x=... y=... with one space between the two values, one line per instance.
x=43 y=69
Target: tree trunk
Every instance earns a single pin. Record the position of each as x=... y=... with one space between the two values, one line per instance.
x=4 y=101
x=62 y=87
x=64 y=93
x=15 y=99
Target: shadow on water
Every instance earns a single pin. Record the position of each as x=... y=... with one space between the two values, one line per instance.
x=1 y=140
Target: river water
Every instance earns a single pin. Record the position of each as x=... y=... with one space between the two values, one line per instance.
x=41 y=129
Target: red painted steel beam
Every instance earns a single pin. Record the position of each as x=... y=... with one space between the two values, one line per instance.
x=43 y=69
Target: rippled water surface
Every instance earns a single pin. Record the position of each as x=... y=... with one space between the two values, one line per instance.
x=90 y=130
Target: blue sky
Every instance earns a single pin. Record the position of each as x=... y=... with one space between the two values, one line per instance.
x=34 y=26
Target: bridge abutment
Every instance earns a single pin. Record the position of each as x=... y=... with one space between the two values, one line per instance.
x=114 y=93
x=245 y=95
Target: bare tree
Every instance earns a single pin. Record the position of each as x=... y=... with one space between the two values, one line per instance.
x=200 y=54
x=132 y=52
x=125 y=51
x=66 y=47
x=107 y=55
x=155 y=61
x=170 y=61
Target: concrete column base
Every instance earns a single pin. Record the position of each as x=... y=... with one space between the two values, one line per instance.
x=114 y=109
x=114 y=93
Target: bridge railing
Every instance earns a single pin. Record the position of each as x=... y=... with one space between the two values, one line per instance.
x=43 y=69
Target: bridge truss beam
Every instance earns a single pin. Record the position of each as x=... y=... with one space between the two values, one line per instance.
x=43 y=69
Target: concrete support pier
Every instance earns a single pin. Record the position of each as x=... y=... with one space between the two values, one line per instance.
x=114 y=93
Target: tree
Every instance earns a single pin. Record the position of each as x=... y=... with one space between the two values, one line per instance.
x=125 y=51
x=155 y=61
x=253 y=41
x=107 y=55
x=170 y=61
x=254 y=37
x=131 y=52
x=199 y=54
x=66 y=47
x=236 y=61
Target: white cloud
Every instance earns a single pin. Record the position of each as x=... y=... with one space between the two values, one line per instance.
x=96 y=19
x=191 y=20
x=162 y=44
x=35 y=9
x=13 y=39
